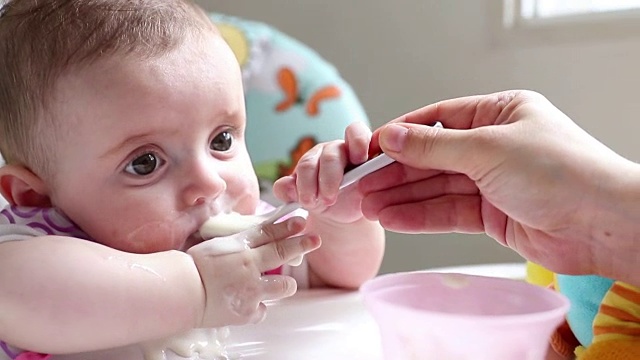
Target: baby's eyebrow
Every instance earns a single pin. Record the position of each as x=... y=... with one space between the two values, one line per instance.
x=140 y=136
x=135 y=138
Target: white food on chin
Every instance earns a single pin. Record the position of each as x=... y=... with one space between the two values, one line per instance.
x=228 y=224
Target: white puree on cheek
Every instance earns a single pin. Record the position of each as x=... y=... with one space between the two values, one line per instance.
x=228 y=224
x=200 y=344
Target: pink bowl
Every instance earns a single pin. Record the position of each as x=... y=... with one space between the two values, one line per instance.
x=426 y=315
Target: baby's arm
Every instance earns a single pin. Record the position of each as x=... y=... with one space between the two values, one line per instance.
x=351 y=253
x=353 y=246
x=64 y=295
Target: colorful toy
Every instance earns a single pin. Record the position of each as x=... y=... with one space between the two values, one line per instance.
x=294 y=98
x=604 y=320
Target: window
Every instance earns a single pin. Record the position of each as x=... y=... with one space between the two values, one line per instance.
x=544 y=9
x=543 y=12
x=522 y=22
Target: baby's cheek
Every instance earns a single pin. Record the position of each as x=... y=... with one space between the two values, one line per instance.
x=246 y=196
x=149 y=238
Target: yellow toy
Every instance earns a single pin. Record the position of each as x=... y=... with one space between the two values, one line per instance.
x=604 y=320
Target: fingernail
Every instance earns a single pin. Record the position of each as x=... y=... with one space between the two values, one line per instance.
x=294 y=223
x=392 y=137
x=310 y=241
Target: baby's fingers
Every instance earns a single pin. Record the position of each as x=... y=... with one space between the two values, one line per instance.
x=357 y=138
x=277 y=253
x=273 y=287
x=272 y=232
x=285 y=189
x=330 y=172
x=276 y=287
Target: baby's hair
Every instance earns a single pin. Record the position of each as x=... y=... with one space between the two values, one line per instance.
x=41 y=40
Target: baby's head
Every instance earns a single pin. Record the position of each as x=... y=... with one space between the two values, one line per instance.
x=126 y=115
x=40 y=41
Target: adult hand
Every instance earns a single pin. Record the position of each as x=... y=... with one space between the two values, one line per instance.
x=511 y=165
x=234 y=285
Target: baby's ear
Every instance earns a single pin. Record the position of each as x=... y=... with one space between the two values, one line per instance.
x=21 y=187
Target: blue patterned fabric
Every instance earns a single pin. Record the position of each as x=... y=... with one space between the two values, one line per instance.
x=294 y=98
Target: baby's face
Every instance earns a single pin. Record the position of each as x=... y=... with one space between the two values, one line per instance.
x=151 y=148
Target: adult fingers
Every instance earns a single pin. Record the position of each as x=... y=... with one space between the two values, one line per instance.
x=416 y=191
x=452 y=213
x=471 y=152
x=394 y=175
x=466 y=112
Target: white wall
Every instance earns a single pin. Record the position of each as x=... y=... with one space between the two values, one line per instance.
x=402 y=54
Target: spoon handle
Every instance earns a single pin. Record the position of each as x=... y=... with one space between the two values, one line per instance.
x=281 y=211
x=365 y=169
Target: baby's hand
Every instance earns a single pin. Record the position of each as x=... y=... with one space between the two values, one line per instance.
x=316 y=179
x=233 y=282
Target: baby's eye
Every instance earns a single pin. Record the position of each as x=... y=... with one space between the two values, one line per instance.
x=144 y=165
x=222 y=142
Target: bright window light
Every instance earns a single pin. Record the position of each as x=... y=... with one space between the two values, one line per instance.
x=553 y=21
x=545 y=9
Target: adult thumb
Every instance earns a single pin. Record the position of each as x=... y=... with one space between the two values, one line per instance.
x=427 y=147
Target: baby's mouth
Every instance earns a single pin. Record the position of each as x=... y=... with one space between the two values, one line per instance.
x=228 y=224
x=198 y=217
x=193 y=239
x=221 y=225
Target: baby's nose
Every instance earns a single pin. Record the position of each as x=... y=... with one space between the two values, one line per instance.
x=202 y=186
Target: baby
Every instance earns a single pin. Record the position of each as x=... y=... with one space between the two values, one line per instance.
x=122 y=127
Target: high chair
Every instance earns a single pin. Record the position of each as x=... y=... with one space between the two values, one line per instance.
x=294 y=98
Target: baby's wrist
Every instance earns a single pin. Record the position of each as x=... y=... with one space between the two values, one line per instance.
x=193 y=288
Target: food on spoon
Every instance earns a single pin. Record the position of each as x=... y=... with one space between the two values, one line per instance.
x=231 y=223
x=228 y=224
